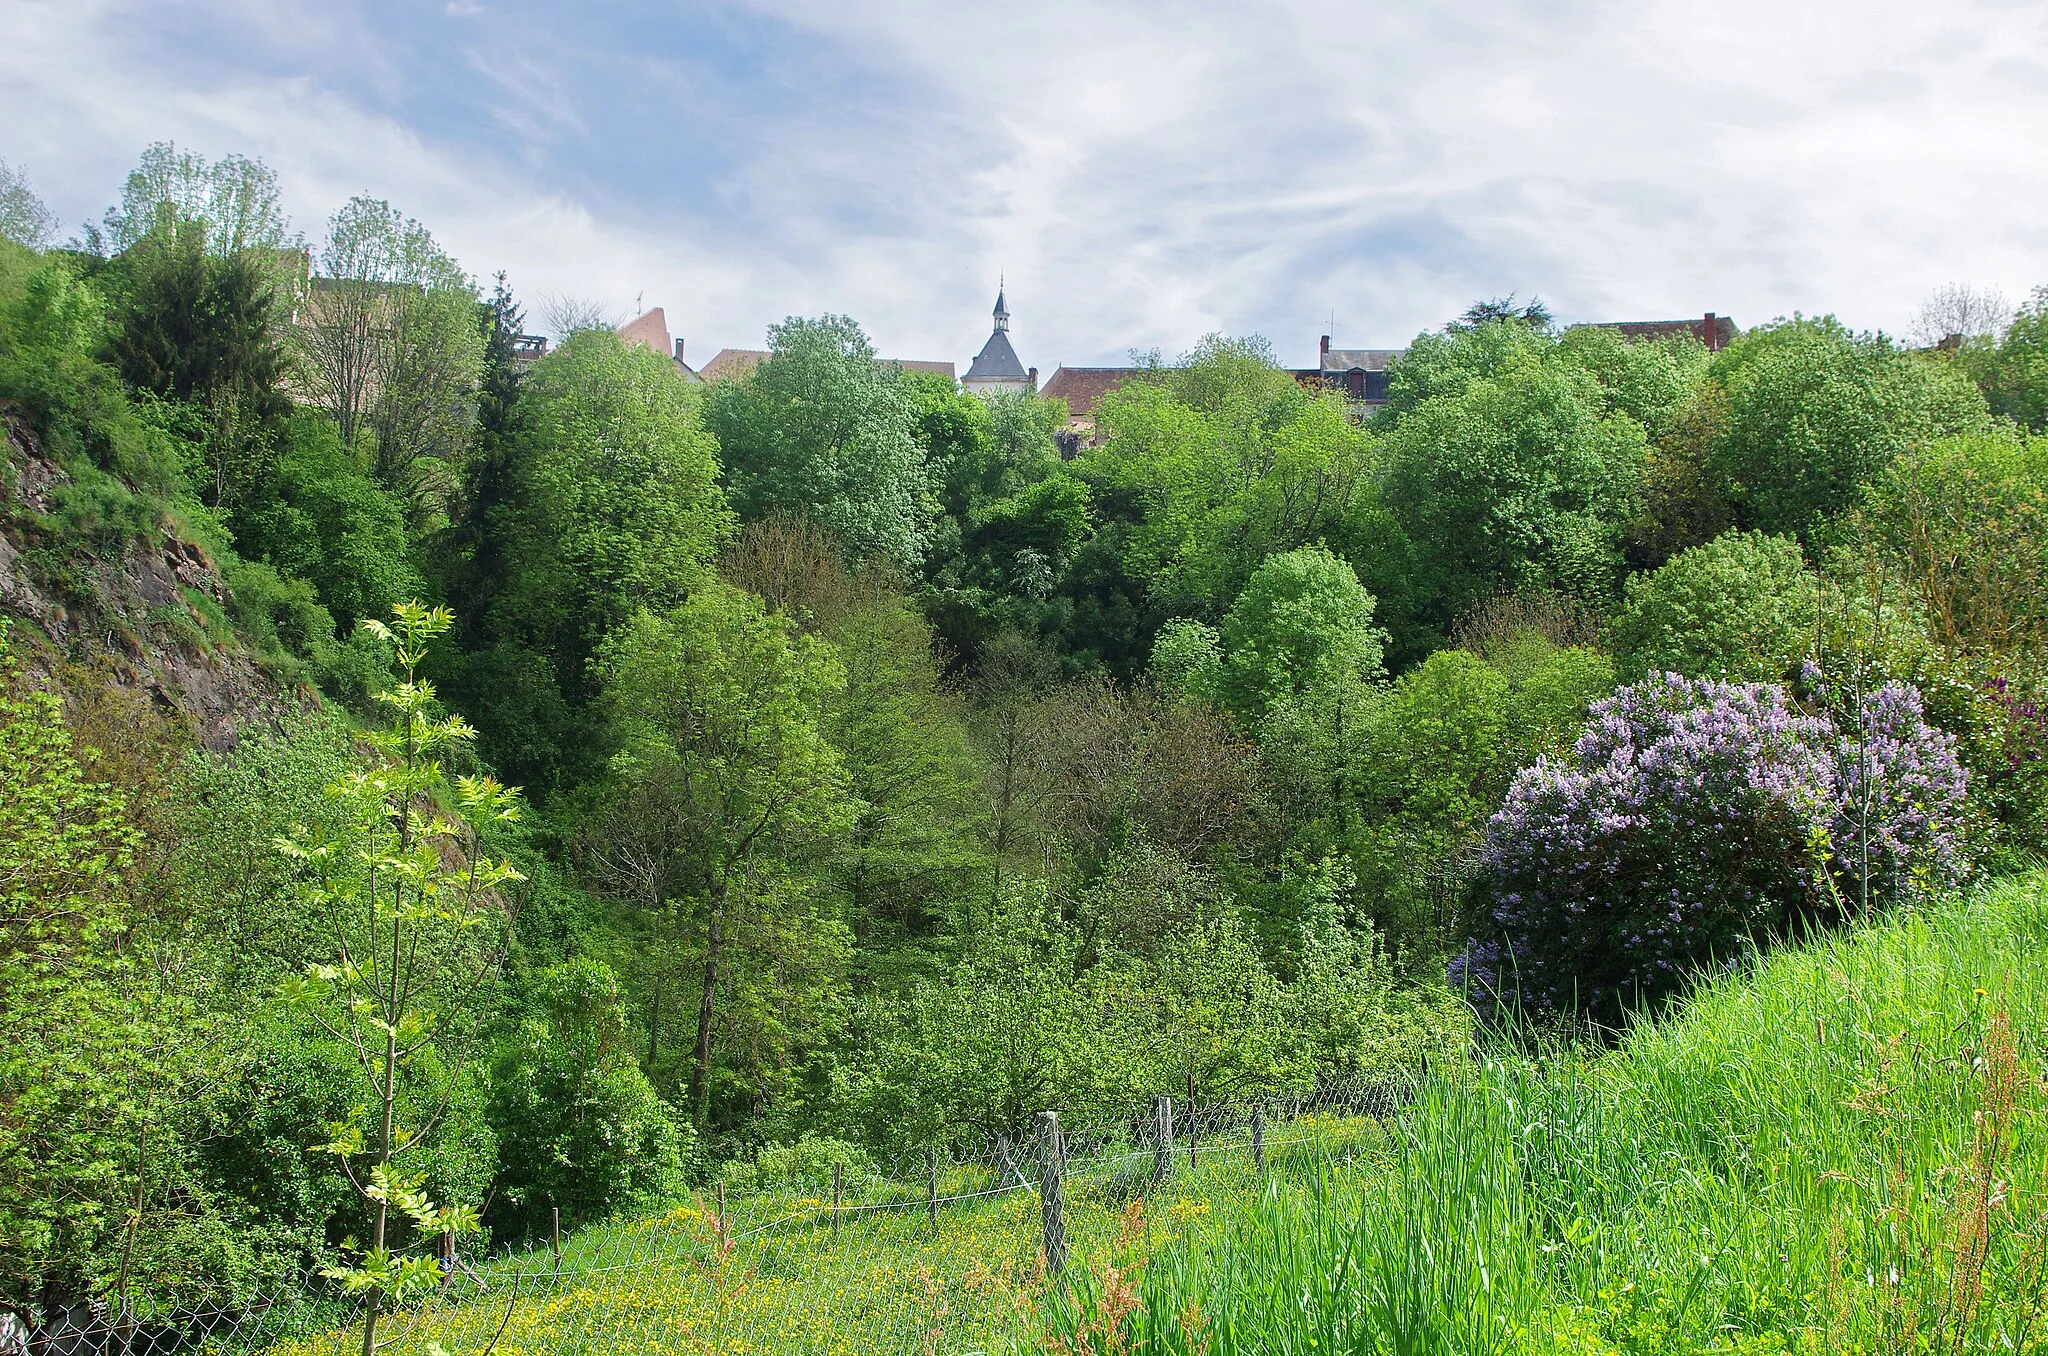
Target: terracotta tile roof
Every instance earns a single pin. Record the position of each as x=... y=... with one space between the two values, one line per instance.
x=648 y=331
x=737 y=362
x=919 y=365
x=732 y=363
x=1084 y=387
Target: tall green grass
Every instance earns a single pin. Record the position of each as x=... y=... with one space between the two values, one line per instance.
x=1841 y=1150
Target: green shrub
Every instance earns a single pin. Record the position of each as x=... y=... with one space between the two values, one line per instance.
x=1741 y=606
x=580 y=1129
x=805 y=1165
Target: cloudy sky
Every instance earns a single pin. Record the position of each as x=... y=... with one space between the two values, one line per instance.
x=1143 y=173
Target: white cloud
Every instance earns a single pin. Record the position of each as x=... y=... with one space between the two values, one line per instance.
x=1143 y=173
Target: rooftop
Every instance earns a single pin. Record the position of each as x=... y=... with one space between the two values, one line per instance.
x=997 y=361
x=1084 y=387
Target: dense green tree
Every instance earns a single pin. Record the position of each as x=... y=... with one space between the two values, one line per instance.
x=1514 y=471
x=202 y=328
x=726 y=786
x=1814 y=413
x=235 y=197
x=408 y=896
x=1965 y=523
x=1302 y=624
x=320 y=518
x=1742 y=606
x=612 y=504
x=819 y=429
x=579 y=1126
x=73 y=1051
x=2012 y=369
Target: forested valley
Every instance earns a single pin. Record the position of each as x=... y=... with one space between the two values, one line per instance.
x=442 y=793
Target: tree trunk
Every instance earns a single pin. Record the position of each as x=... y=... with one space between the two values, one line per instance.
x=700 y=1073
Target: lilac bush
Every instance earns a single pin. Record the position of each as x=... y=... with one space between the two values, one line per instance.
x=1692 y=817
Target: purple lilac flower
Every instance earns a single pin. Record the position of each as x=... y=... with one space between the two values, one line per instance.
x=1692 y=818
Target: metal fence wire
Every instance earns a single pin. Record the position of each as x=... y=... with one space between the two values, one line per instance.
x=951 y=1248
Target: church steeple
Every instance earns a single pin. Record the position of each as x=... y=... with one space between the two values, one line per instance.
x=996 y=367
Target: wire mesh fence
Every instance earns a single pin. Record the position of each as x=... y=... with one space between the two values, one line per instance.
x=951 y=1248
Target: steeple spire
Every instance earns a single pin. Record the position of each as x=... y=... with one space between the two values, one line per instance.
x=1002 y=311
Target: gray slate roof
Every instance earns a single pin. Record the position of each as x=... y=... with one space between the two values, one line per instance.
x=1361 y=359
x=997 y=361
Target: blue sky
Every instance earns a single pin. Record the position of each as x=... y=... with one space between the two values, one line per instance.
x=1143 y=174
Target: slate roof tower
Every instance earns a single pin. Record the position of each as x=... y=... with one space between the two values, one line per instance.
x=996 y=368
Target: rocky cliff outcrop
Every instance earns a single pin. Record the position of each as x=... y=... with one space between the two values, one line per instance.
x=150 y=616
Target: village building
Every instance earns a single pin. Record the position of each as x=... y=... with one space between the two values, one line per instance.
x=996 y=367
x=1715 y=331
x=650 y=331
x=1359 y=373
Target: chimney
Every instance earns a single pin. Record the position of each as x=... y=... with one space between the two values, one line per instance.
x=1713 y=334
x=1034 y=379
x=1325 y=352
x=679 y=348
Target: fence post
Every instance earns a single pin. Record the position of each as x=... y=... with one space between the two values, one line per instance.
x=555 y=1228
x=1162 y=1138
x=1004 y=1170
x=931 y=1186
x=723 y=1246
x=1258 y=1138
x=1052 y=1198
x=838 y=1188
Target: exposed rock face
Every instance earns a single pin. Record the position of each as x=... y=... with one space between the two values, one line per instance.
x=139 y=617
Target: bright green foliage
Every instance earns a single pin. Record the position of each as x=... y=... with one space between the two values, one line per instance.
x=1015 y=1025
x=1742 y=606
x=388 y=345
x=1303 y=624
x=1188 y=656
x=51 y=331
x=320 y=518
x=726 y=783
x=1510 y=466
x=1814 y=413
x=407 y=954
x=235 y=198
x=1431 y=764
x=2013 y=370
x=1570 y=1200
x=819 y=430
x=611 y=503
x=910 y=853
x=1214 y=1021
x=981 y=447
x=1649 y=382
x=72 y=1054
x=1966 y=521
x=580 y=1128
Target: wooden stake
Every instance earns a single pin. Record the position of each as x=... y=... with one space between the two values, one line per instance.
x=1052 y=1197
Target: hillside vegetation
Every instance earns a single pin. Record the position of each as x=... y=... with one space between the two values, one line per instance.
x=444 y=793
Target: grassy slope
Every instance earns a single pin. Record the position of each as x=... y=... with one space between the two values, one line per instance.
x=1839 y=1152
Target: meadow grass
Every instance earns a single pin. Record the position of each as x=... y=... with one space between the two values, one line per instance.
x=1840 y=1150
x=780 y=1278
